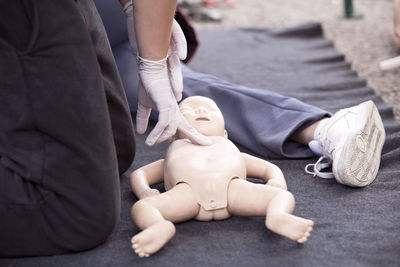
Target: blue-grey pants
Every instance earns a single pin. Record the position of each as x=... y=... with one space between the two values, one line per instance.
x=260 y=120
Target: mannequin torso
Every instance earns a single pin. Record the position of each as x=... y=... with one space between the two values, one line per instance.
x=207 y=170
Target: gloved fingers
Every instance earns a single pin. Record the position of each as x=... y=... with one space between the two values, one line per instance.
x=156 y=133
x=178 y=41
x=175 y=75
x=165 y=127
x=192 y=134
x=142 y=118
x=144 y=98
x=162 y=124
x=168 y=133
x=177 y=50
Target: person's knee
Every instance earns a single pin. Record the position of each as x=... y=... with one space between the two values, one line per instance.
x=102 y=221
x=85 y=221
x=55 y=227
x=92 y=234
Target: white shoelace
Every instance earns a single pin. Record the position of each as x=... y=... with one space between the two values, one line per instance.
x=318 y=166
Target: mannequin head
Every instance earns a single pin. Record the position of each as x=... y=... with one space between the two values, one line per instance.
x=204 y=115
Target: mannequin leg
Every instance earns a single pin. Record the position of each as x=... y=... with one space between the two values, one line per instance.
x=155 y=216
x=249 y=199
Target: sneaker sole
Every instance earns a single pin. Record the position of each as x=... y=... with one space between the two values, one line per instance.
x=359 y=161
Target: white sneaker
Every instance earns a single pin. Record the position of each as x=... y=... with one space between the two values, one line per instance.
x=352 y=139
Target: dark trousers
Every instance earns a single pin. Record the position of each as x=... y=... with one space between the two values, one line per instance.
x=65 y=128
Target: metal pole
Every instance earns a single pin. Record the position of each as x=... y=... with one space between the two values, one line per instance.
x=349 y=10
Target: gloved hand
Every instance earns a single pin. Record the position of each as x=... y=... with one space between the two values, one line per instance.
x=160 y=87
x=155 y=93
x=177 y=50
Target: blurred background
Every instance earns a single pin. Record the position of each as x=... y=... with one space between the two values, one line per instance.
x=365 y=40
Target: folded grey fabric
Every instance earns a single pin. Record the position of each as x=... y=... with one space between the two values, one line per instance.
x=353 y=226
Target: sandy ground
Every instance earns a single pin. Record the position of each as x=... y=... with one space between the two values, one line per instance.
x=365 y=42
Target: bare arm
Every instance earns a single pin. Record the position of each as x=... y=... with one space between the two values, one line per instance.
x=153 y=22
x=270 y=173
x=142 y=178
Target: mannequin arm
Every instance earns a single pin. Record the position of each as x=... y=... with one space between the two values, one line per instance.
x=270 y=173
x=142 y=178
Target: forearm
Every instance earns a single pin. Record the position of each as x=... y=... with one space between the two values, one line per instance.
x=153 y=22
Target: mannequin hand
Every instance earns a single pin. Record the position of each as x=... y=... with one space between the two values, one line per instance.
x=155 y=93
x=177 y=50
x=148 y=193
x=277 y=183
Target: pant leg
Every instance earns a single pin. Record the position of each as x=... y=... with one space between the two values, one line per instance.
x=260 y=120
x=59 y=173
x=121 y=120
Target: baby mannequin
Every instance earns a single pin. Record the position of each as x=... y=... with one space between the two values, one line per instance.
x=209 y=183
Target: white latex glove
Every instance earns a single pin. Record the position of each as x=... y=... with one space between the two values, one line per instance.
x=155 y=93
x=160 y=87
x=177 y=50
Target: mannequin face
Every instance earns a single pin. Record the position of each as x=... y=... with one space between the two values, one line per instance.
x=203 y=114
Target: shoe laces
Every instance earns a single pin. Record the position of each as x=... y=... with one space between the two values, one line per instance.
x=322 y=163
x=326 y=146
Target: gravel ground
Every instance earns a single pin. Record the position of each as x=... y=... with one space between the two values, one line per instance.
x=365 y=42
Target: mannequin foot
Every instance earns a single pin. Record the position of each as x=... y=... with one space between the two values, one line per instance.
x=290 y=226
x=151 y=239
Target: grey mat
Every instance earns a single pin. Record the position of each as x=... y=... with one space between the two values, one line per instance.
x=353 y=227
